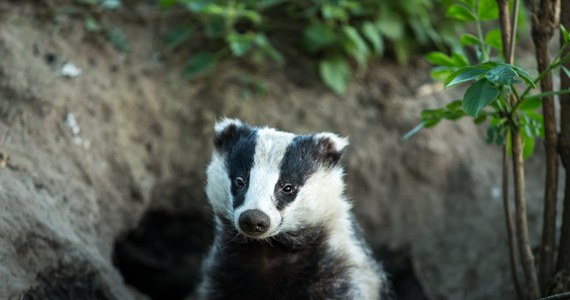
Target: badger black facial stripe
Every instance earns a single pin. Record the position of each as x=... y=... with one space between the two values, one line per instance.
x=297 y=165
x=239 y=161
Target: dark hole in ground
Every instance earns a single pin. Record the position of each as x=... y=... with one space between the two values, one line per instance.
x=163 y=256
x=398 y=264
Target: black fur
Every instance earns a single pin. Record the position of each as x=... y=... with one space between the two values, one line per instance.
x=289 y=266
x=297 y=165
x=302 y=158
x=328 y=154
x=238 y=145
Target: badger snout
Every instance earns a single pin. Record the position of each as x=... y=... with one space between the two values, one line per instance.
x=254 y=222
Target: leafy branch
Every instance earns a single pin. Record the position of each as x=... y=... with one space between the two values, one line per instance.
x=513 y=121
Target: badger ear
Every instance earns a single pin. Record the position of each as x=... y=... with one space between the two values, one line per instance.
x=331 y=147
x=226 y=131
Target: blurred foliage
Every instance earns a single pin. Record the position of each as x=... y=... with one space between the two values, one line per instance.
x=90 y=12
x=339 y=36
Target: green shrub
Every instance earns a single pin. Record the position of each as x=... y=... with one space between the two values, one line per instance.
x=338 y=35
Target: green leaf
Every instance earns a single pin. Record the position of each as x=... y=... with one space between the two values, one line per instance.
x=493 y=39
x=373 y=35
x=92 y=25
x=168 y=3
x=441 y=73
x=200 y=63
x=534 y=121
x=440 y=58
x=178 y=35
x=431 y=123
x=197 y=6
x=496 y=132
x=317 y=37
x=470 y=3
x=489 y=64
x=355 y=37
x=530 y=104
x=531 y=127
x=335 y=73
x=110 y=4
x=334 y=12
x=488 y=10
x=565 y=34
x=524 y=75
x=430 y=114
x=463 y=75
x=502 y=75
x=239 y=43
x=390 y=26
x=500 y=138
x=479 y=95
x=480 y=119
x=528 y=145
x=492 y=132
x=260 y=39
x=459 y=60
x=504 y=91
x=356 y=46
x=215 y=27
x=209 y=8
x=461 y=12
x=116 y=37
x=430 y=117
x=468 y=39
x=455 y=105
x=251 y=15
x=453 y=114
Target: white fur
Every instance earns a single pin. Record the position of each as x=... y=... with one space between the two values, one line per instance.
x=340 y=142
x=225 y=122
x=270 y=150
x=218 y=188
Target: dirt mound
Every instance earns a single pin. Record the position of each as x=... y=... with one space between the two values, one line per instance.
x=92 y=154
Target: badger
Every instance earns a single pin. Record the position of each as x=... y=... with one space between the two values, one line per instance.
x=283 y=225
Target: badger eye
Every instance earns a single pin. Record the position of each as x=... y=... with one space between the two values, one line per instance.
x=239 y=182
x=287 y=189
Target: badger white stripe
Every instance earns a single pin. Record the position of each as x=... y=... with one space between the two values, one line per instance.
x=269 y=152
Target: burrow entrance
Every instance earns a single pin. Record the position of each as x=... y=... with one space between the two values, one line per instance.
x=162 y=257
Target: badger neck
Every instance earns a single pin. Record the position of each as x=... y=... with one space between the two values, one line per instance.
x=299 y=259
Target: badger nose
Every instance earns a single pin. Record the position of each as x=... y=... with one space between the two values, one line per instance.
x=254 y=222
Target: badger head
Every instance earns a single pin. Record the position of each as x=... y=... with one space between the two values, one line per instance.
x=267 y=182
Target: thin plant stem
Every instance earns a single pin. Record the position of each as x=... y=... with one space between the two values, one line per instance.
x=509 y=222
